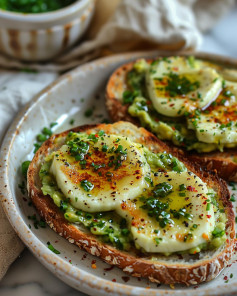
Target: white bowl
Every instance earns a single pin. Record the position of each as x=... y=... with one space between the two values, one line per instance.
x=42 y=36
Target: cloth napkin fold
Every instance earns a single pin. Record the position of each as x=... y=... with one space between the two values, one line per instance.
x=16 y=89
x=118 y=25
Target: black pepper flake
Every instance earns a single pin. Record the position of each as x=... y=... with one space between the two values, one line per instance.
x=186 y=223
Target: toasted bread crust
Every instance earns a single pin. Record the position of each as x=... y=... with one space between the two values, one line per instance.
x=220 y=161
x=160 y=271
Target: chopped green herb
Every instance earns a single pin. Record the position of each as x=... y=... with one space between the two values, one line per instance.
x=52 y=124
x=33 y=6
x=180 y=85
x=182 y=187
x=45 y=134
x=83 y=164
x=101 y=133
x=218 y=232
x=188 y=237
x=88 y=112
x=37 y=146
x=158 y=240
x=232 y=198
x=149 y=180
x=37 y=223
x=105 y=120
x=105 y=148
x=24 y=168
x=88 y=216
x=22 y=187
x=228 y=93
x=195 y=226
x=63 y=205
x=26 y=70
x=158 y=210
x=51 y=247
x=162 y=189
x=97 y=166
x=208 y=207
x=125 y=231
x=223 y=84
x=165 y=59
x=41 y=138
x=191 y=61
x=87 y=185
x=186 y=113
x=181 y=213
x=229 y=124
x=223 y=101
x=129 y=96
x=72 y=121
x=46 y=131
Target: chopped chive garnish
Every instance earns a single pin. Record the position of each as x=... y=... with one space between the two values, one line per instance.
x=87 y=185
x=51 y=247
x=24 y=167
x=208 y=207
x=88 y=112
x=52 y=124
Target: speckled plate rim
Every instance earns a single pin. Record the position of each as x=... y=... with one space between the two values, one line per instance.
x=79 y=279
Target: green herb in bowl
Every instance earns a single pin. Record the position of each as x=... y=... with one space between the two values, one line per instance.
x=34 y=6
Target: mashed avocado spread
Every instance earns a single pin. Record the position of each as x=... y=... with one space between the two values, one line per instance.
x=186 y=101
x=159 y=208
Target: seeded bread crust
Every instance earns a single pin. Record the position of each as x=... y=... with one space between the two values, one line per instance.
x=189 y=270
x=220 y=161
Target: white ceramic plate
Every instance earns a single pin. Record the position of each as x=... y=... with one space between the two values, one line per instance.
x=68 y=98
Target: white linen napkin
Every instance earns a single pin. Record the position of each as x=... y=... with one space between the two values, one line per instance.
x=16 y=89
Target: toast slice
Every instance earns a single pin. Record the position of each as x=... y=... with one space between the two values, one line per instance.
x=223 y=162
x=184 y=269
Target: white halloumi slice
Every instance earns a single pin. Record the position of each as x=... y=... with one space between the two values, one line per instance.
x=186 y=210
x=218 y=123
x=176 y=87
x=103 y=178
